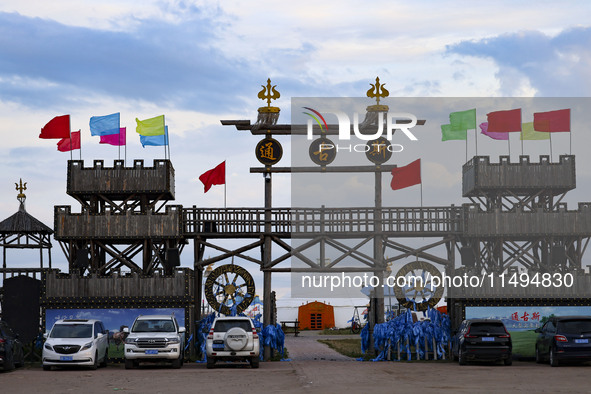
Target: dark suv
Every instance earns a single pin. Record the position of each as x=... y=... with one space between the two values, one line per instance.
x=482 y=339
x=565 y=338
x=11 y=349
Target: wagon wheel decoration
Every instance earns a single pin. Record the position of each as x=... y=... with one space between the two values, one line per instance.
x=418 y=294
x=229 y=285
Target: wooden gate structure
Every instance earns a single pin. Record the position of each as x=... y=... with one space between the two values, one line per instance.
x=514 y=223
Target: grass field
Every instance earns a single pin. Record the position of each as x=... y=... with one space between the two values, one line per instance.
x=524 y=343
x=347 y=347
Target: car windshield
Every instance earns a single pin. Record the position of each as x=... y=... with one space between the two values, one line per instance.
x=71 y=331
x=225 y=325
x=576 y=327
x=153 y=325
x=487 y=328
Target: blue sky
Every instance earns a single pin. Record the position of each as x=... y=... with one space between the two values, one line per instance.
x=201 y=61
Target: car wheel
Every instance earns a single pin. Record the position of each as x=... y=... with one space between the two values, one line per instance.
x=538 y=356
x=210 y=362
x=9 y=364
x=96 y=362
x=461 y=357
x=47 y=367
x=129 y=364
x=104 y=362
x=508 y=361
x=176 y=363
x=21 y=362
x=254 y=362
x=553 y=359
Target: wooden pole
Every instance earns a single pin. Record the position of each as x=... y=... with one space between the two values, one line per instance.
x=266 y=263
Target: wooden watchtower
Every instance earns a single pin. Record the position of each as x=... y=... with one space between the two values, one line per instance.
x=124 y=221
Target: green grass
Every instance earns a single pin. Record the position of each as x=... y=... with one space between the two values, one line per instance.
x=114 y=353
x=524 y=343
x=350 y=347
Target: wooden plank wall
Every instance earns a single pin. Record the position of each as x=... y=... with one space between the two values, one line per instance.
x=180 y=284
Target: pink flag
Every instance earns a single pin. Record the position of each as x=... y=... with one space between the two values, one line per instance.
x=114 y=139
x=492 y=134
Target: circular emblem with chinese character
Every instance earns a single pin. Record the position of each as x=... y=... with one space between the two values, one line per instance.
x=268 y=151
x=322 y=151
x=378 y=151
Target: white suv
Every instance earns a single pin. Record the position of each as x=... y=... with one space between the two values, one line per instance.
x=76 y=342
x=154 y=338
x=234 y=339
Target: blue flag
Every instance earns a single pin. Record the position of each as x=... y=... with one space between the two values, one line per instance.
x=105 y=125
x=155 y=140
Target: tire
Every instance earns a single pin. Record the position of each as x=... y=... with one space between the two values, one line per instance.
x=254 y=362
x=210 y=362
x=236 y=339
x=177 y=363
x=355 y=328
x=47 y=367
x=96 y=362
x=104 y=362
x=461 y=358
x=21 y=363
x=508 y=361
x=538 y=356
x=129 y=364
x=9 y=365
x=553 y=359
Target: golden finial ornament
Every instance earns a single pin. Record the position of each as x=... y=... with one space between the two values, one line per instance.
x=269 y=93
x=377 y=91
x=21 y=188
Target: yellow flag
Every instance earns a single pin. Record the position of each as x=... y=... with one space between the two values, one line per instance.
x=528 y=133
x=149 y=127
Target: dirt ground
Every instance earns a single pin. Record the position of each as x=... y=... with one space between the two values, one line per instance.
x=310 y=376
x=314 y=368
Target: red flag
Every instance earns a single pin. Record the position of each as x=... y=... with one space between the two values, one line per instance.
x=504 y=121
x=406 y=176
x=58 y=127
x=68 y=144
x=552 y=121
x=215 y=176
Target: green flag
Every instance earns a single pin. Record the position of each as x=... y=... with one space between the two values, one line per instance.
x=448 y=134
x=463 y=120
x=152 y=126
x=528 y=132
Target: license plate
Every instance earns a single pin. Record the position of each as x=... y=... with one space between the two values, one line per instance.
x=151 y=351
x=488 y=339
x=218 y=347
x=581 y=341
x=66 y=358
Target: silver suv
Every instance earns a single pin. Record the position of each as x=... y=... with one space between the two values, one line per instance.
x=154 y=338
x=233 y=339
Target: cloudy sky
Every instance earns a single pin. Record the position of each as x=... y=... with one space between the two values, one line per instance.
x=201 y=61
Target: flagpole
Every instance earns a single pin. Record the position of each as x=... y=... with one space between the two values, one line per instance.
x=167 y=143
x=421 y=175
x=225 y=182
x=509 y=144
x=119 y=145
x=475 y=141
x=550 y=147
x=70 y=131
x=466 y=148
x=521 y=136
